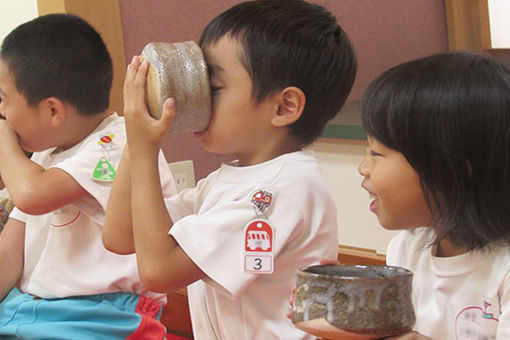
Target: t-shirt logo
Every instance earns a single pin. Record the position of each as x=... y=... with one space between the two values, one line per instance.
x=476 y=322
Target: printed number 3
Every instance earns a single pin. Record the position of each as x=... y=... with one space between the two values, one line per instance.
x=258 y=265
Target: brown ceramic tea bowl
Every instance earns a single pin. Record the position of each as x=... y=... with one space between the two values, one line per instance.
x=179 y=70
x=353 y=302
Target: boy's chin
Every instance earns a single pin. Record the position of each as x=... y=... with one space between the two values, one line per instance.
x=202 y=138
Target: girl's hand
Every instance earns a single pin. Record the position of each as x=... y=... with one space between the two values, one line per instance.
x=293 y=292
x=144 y=132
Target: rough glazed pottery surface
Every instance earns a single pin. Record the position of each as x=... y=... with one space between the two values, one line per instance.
x=353 y=302
x=179 y=70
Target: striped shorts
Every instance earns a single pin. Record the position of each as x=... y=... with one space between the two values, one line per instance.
x=112 y=316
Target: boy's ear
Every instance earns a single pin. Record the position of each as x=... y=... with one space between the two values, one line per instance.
x=54 y=109
x=291 y=103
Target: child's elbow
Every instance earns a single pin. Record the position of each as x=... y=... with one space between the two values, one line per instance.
x=153 y=280
x=28 y=203
x=113 y=244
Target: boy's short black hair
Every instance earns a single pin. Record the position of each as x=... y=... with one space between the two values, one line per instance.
x=291 y=43
x=60 y=55
x=449 y=115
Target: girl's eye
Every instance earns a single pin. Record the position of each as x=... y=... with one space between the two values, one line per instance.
x=215 y=89
x=374 y=153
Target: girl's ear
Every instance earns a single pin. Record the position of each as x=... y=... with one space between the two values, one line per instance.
x=54 y=109
x=291 y=104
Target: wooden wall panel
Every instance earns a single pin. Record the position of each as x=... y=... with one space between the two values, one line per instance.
x=468 y=25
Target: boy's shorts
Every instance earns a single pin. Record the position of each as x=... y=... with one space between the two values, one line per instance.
x=112 y=316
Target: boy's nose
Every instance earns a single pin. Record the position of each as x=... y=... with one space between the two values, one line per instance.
x=362 y=168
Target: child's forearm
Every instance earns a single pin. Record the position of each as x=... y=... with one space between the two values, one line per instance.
x=162 y=265
x=17 y=171
x=151 y=221
x=118 y=228
x=159 y=257
x=12 y=240
x=31 y=187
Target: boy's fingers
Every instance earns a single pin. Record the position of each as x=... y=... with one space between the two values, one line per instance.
x=131 y=70
x=135 y=74
x=128 y=80
x=138 y=86
x=141 y=74
x=134 y=86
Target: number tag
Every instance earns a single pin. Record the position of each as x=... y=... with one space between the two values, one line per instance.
x=258 y=247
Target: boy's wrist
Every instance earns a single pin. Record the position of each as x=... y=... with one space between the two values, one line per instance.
x=143 y=158
x=143 y=151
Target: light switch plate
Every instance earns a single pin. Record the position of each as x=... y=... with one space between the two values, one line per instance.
x=184 y=174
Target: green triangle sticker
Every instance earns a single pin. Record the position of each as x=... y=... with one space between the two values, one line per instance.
x=103 y=171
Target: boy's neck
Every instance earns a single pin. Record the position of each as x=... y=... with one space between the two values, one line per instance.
x=78 y=128
x=269 y=151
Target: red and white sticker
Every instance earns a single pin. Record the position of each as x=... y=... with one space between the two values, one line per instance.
x=261 y=200
x=258 y=247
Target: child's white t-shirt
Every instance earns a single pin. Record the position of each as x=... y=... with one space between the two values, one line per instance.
x=64 y=252
x=287 y=193
x=461 y=297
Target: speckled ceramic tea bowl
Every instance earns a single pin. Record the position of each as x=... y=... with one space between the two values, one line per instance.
x=179 y=70
x=353 y=302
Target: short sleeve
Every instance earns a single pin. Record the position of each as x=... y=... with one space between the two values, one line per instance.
x=216 y=226
x=82 y=162
x=215 y=240
x=18 y=215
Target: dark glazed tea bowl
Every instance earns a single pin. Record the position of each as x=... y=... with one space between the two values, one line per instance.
x=353 y=302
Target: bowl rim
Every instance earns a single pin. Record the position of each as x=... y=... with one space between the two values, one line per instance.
x=399 y=272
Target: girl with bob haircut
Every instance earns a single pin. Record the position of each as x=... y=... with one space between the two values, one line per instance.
x=438 y=167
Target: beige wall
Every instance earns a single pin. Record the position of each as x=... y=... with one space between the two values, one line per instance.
x=499 y=20
x=15 y=12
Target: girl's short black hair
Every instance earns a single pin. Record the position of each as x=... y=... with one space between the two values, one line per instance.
x=291 y=43
x=60 y=55
x=449 y=115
